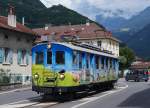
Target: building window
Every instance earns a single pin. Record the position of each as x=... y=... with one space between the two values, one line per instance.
x=99 y=43
x=5 y=36
x=27 y=78
x=6 y=56
x=75 y=57
x=18 y=39
x=39 y=58
x=23 y=56
x=27 y=40
x=91 y=42
x=87 y=42
x=49 y=57
x=60 y=57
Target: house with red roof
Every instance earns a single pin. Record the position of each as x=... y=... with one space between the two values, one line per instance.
x=140 y=65
x=15 y=49
x=89 y=33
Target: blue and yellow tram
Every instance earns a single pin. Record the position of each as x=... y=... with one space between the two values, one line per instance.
x=71 y=67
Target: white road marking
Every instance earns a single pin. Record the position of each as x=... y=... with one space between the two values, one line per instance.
x=17 y=105
x=21 y=104
x=45 y=104
x=18 y=102
x=96 y=98
x=15 y=90
x=26 y=103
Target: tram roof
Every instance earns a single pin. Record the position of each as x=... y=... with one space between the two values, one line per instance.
x=84 y=48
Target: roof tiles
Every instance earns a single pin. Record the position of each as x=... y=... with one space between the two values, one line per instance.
x=19 y=27
x=93 y=31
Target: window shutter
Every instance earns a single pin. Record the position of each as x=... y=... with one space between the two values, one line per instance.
x=11 y=56
x=1 y=55
x=19 y=56
x=27 y=56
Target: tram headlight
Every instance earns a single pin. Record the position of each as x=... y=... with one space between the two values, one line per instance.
x=36 y=76
x=61 y=76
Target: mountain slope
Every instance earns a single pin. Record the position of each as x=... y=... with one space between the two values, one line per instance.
x=139 y=21
x=117 y=23
x=37 y=15
x=111 y=23
x=23 y=7
x=59 y=15
x=140 y=42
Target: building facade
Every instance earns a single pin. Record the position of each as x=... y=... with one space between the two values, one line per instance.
x=104 y=43
x=89 y=33
x=15 y=50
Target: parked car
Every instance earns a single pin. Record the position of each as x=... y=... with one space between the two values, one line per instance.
x=137 y=76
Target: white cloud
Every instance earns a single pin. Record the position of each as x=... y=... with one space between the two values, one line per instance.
x=90 y=8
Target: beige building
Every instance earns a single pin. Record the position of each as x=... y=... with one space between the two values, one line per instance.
x=89 y=33
x=15 y=50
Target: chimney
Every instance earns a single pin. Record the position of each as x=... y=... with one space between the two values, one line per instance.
x=87 y=23
x=47 y=26
x=11 y=17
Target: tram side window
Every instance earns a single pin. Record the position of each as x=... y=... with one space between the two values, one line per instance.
x=80 y=60
x=49 y=57
x=87 y=60
x=102 y=62
x=110 y=62
x=107 y=60
x=75 y=57
x=97 y=62
x=60 y=57
x=39 y=58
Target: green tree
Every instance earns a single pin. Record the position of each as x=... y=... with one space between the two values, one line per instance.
x=127 y=56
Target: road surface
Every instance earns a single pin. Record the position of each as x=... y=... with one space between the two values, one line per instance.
x=126 y=95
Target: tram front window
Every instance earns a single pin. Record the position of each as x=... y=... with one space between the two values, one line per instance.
x=60 y=57
x=39 y=58
x=49 y=57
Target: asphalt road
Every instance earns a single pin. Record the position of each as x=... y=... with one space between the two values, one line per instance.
x=127 y=95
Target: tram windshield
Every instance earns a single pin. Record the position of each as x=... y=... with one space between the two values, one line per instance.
x=39 y=58
x=60 y=57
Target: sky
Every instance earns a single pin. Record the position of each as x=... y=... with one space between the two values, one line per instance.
x=106 y=8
